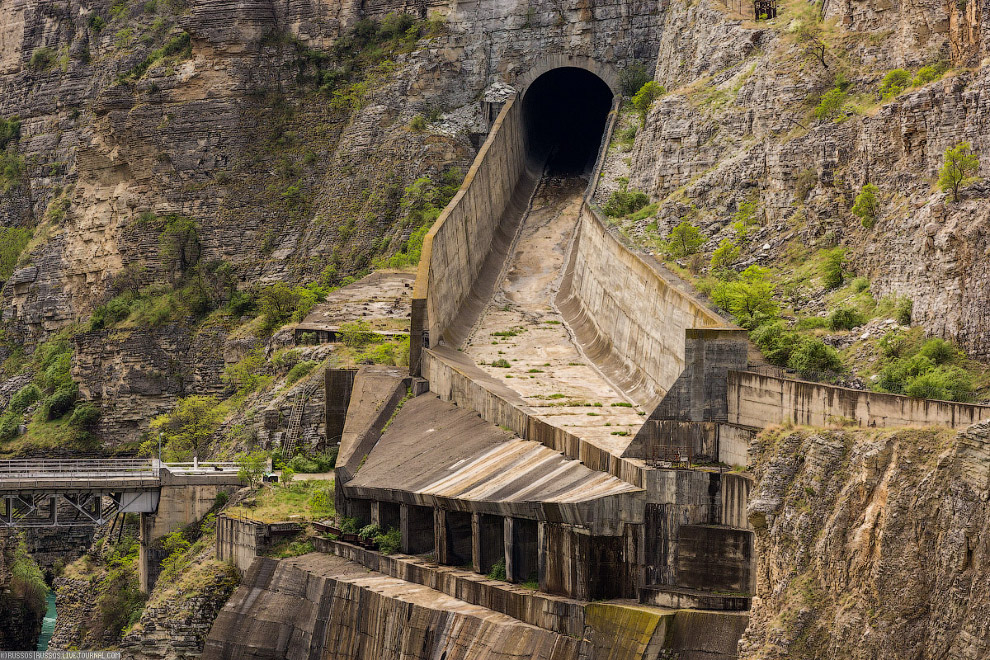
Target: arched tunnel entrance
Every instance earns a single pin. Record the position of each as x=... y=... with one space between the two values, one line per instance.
x=565 y=111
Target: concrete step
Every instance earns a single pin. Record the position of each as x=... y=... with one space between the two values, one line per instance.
x=682 y=598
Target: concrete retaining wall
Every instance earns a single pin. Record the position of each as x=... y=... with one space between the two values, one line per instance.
x=756 y=400
x=456 y=248
x=629 y=320
x=240 y=540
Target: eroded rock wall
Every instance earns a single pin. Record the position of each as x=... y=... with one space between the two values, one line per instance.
x=737 y=127
x=871 y=544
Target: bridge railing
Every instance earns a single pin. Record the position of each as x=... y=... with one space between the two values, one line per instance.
x=76 y=468
x=203 y=466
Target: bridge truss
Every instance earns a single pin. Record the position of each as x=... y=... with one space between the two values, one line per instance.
x=59 y=509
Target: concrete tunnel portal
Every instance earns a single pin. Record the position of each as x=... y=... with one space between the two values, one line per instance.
x=565 y=111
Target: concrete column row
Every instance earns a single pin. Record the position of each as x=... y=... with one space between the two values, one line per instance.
x=470 y=540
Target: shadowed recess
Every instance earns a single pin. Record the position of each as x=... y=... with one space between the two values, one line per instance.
x=565 y=112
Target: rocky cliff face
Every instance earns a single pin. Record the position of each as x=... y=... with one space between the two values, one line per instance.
x=738 y=127
x=871 y=544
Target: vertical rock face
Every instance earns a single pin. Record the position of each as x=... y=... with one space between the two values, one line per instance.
x=871 y=545
x=20 y=622
x=737 y=126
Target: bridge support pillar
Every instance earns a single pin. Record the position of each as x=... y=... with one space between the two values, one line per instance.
x=179 y=506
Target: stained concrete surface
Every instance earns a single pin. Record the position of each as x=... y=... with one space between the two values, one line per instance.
x=521 y=325
x=437 y=453
x=382 y=299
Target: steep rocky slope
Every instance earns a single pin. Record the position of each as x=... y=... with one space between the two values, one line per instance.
x=738 y=127
x=871 y=544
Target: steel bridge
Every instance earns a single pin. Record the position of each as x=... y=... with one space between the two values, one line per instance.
x=73 y=493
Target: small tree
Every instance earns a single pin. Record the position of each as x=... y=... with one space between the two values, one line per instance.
x=723 y=257
x=833 y=274
x=867 y=206
x=278 y=301
x=684 y=240
x=251 y=467
x=645 y=97
x=958 y=169
x=831 y=104
x=190 y=426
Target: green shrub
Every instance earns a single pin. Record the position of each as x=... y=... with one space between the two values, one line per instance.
x=750 y=298
x=389 y=541
x=622 y=202
x=26 y=582
x=10 y=131
x=894 y=83
x=251 y=467
x=501 y=363
x=24 y=397
x=10 y=423
x=811 y=355
x=300 y=370
x=903 y=310
x=85 y=415
x=775 y=342
x=845 y=318
x=369 y=531
x=42 y=59
x=632 y=79
x=417 y=123
x=96 y=22
x=313 y=464
x=896 y=376
x=61 y=402
x=189 y=427
x=11 y=171
x=321 y=501
x=893 y=344
x=644 y=98
x=867 y=205
x=113 y=312
x=179 y=46
x=860 y=284
x=944 y=383
x=13 y=240
x=497 y=571
x=120 y=600
x=349 y=525
x=938 y=351
x=832 y=271
x=926 y=74
x=831 y=105
x=357 y=334
x=724 y=256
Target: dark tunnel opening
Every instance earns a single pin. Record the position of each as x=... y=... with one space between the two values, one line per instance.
x=565 y=111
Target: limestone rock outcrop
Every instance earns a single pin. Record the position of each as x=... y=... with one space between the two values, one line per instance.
x=736 y=127
x=871 y=544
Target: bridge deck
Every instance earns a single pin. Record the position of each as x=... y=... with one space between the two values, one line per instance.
x=521 y=326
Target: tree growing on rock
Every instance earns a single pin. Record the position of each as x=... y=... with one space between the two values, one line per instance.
x=724 y=256
x=684 y=240
x=959 y=169
x=867 y=206
x=188 y=428
x=645 y=97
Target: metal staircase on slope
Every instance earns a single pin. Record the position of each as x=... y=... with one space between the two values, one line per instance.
x=295 y=418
